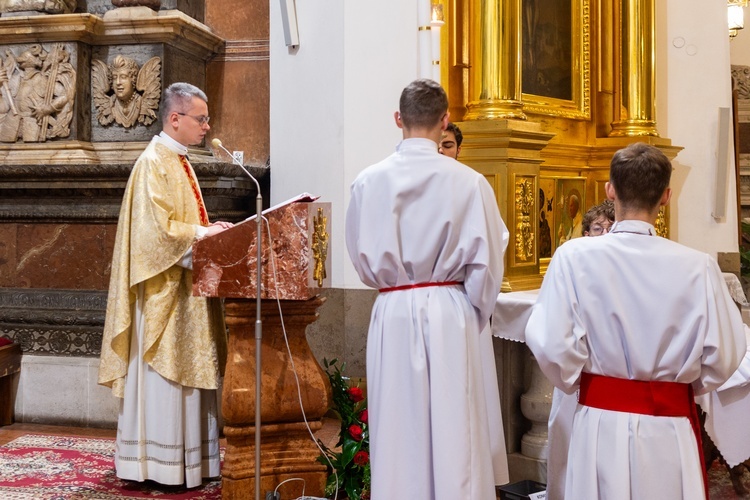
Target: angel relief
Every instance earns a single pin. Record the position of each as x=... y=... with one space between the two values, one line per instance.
x=123 y=93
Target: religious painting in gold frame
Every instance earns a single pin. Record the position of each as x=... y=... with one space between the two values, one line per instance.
x=556 y=59
x=546 y=206
x=562 y=203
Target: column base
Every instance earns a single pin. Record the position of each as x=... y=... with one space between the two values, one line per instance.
x=494 y=109
x=634 y=128
x=521 y=467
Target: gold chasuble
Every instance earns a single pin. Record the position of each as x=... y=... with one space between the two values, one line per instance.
x=185 y=336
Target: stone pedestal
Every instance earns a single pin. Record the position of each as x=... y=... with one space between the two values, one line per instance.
x=287 y=449
x=294 y=264
x=536 y=404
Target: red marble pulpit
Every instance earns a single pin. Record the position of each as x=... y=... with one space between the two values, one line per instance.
x=295 y=266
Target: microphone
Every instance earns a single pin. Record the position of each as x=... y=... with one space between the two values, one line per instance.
x=216 y=142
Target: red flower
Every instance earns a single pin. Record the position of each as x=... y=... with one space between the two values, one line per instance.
x=355 y=394
x=355 y=432
x=361 y=458
x=363 y=416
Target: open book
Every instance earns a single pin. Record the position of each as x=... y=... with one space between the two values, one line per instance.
x=302 y=197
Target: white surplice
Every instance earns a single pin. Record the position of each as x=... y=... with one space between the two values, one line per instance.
x=728 y=413
x=634 y=306
x=434 y=413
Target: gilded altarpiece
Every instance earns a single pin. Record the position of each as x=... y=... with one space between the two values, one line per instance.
x=550 y=89
x=545 y=92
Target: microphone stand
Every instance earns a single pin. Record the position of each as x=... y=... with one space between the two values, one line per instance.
x=258 y=322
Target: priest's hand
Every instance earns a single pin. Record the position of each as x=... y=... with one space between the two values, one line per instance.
x=217 y=227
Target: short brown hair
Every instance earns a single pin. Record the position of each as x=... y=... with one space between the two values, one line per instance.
x=423 y=103
x=640 y=174
x=603 y=209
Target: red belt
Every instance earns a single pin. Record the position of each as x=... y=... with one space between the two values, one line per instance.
x=661 y=399
x=419 y=285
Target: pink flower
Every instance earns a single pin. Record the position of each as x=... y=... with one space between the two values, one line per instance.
x=363 y=416
x=361 y=458
x=355 y=394
x=355 y=432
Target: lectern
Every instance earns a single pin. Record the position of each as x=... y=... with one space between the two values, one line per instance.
x=295 y=267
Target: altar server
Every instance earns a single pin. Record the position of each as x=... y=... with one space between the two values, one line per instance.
x=637 y=324
x=425 y=231
x=163 y=349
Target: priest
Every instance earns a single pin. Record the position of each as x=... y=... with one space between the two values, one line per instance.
x=163 y=350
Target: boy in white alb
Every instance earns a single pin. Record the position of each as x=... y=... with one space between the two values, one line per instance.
x=637 y=324
x=426 y=232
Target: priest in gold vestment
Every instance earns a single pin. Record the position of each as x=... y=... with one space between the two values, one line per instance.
x=163 y=350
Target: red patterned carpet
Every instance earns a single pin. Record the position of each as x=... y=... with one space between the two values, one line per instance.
x=42 y=467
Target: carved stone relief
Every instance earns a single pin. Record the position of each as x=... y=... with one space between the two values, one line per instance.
x=741 y=82
x=60 y=322
x=37 y=94
x=124 y=93
x=45 y=6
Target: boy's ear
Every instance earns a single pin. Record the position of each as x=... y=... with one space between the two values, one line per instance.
x=609 y=190
x=397 y=118
x=665 y=197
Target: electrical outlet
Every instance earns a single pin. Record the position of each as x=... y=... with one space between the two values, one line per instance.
x=239 y=157
x=271 y=495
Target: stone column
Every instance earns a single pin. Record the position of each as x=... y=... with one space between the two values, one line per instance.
x=495 y=74
x=635 y=112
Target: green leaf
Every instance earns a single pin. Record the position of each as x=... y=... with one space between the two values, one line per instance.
x=349 y=449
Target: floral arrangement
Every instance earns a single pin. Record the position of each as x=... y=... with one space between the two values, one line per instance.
x=352 y=463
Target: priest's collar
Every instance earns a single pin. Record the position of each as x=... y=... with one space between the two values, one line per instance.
x=415 y=143
x=167 y=141
x=633 y=226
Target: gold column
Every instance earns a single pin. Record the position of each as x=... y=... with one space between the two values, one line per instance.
x=495 y=65
x=635 y=113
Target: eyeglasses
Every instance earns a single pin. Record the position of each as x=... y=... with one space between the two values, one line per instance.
x=597 y=230
x=202 y=120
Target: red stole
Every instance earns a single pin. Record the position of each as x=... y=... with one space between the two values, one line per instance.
x=196 y=191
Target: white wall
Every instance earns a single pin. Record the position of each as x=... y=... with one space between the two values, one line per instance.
x=332 y=101
x=694 y=80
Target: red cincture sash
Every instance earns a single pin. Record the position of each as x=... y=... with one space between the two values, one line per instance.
x=196 y=191
x=419 y=285
x=661 y=399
